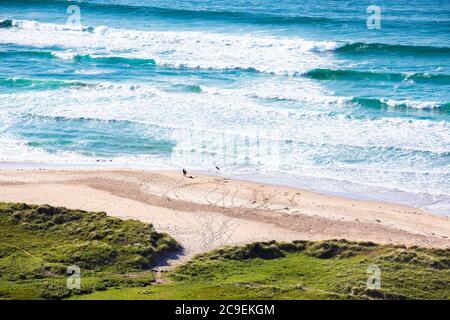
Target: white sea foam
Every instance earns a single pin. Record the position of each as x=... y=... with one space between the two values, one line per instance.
x=64 y=55
x=92 y=71
x=207 y=111
x=177 y=49
x=413 y=104
x=301 y=90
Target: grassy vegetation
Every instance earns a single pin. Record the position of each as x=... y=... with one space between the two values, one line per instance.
x=302 y=270
x=38 y=243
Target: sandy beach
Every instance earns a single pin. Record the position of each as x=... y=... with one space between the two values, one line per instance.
x=205 y=212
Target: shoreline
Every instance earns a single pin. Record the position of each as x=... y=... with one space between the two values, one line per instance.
x=347 y=189
x=211 y=211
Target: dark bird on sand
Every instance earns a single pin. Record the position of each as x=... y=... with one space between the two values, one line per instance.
x=184 y=172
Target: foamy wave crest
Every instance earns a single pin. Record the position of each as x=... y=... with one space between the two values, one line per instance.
x=296 y=89
x=39 y=26
x=413 y=104
x=384 y=103
x=178 y=49
x=64 y=55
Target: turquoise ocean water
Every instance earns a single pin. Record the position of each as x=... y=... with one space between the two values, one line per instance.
x=338 y=107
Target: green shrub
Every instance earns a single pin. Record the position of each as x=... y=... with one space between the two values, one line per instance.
x=274 y=250
x=54 y=291
x=435 y=259
x=337 y=249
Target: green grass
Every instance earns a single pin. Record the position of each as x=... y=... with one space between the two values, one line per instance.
x=38 y=243
x=302 y=270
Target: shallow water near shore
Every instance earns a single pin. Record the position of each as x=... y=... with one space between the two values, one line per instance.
x=337 y=107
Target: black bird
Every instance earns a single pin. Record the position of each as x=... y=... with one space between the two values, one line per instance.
x=184 y=172
x=218 y=169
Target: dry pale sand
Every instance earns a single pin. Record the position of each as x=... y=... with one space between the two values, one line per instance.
x=207 y=212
